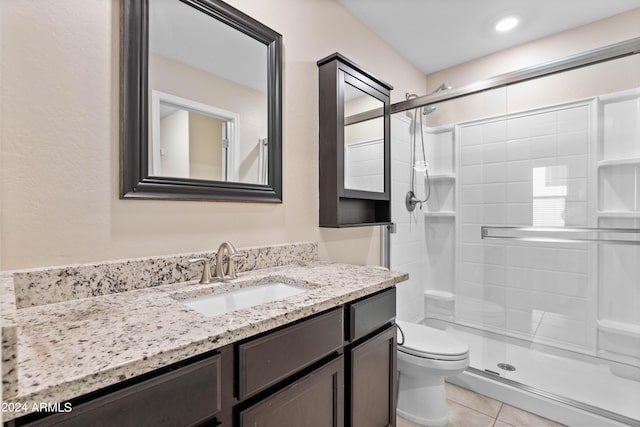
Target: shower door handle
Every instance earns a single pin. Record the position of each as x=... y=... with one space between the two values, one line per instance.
x=546 y=234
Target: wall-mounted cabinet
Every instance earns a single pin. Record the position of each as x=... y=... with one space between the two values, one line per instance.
x=355 y=178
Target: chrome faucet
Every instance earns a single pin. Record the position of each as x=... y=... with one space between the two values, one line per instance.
x=231 y=252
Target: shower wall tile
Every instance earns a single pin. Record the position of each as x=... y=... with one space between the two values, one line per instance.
x=573 y=119
x=471 y=271
x=494 y=254
x=576 y=165
x=469 y=289
x=472 y=194
x=518 y=299
x=494 y=214
x=564 y=332
x=519 y=277
x=573 y=143
x=494 y=193
x=543 y=124
x=407 y=242
x=519 y=214
x=543 y=146
x=519 y=170
x=535 y=281
x=577 y=190
x=472 y=135
x=470 y=233
x=518 y=128
x=472 y=174
x=570 y=307
x=494 y=172
x=471 y=252
x=495 y=131
x=471 y=214
x=493 y=152
x=519 y=150
x=471 y=155
x=494 y=274
x=519 y=192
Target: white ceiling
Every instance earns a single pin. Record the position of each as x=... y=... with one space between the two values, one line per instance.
x=437 y=34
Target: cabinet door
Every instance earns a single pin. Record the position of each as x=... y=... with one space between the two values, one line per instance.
x=186 y=396
x=373 y=381
x=316 y=400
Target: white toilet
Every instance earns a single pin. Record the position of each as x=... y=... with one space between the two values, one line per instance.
x=425 y=358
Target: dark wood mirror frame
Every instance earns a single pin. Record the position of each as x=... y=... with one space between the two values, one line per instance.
x=135 y=182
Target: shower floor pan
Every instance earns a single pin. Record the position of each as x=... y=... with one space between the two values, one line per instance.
x=563 y=373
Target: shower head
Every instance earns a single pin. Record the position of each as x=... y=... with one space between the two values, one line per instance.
x=428 y=109
x=442 y=87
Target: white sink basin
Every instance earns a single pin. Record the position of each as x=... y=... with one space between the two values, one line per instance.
x=211 y=305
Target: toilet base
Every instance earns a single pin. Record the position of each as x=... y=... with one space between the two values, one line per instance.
x=422 y=400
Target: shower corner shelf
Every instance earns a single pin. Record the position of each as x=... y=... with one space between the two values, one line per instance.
x=617 y=162
x=619 y=327
x=618 y=214
x=442 y=214
x=442 y=177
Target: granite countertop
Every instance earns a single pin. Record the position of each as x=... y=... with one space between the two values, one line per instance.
x=70 y=348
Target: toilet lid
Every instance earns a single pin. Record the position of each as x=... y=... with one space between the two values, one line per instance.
x=424 y=341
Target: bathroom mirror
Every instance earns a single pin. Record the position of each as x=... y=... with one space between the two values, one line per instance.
x=201 y=110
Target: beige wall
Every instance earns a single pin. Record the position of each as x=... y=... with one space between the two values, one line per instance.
x=174 y=144
x=205 y=147
x=591 y=36
x=60 y=133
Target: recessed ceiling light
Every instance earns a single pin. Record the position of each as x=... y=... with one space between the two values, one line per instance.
x=507 y=23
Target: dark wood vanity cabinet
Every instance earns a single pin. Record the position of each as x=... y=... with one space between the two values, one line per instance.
x=372 y=386
x=333 y=369
x=371 y=363
x=354 y=145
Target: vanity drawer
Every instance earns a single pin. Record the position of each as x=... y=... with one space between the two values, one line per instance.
x=264 y=361
x=188 y=395
x=371 y=313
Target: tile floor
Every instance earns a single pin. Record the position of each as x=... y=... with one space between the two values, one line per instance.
x=470 y=409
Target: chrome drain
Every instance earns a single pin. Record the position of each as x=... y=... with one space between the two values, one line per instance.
x=506 y=367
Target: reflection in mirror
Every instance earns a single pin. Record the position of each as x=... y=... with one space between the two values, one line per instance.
x=363 y=141
x=193 y=140
x=219 y=116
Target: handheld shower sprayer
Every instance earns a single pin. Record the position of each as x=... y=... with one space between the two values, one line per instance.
x=419 y=165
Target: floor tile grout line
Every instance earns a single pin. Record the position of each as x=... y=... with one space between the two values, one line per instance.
x=495 y=420
x=476 y=409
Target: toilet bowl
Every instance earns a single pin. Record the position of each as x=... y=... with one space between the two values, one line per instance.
x=425 y=358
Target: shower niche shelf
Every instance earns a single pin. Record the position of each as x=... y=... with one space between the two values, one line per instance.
x=618 y=162
x=442 y=177
x=619 y=188
x=442 y=214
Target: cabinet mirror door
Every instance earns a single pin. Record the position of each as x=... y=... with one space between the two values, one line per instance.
x=363 y=141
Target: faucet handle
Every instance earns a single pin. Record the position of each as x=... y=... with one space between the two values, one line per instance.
x=231 y=264
x=205 y=279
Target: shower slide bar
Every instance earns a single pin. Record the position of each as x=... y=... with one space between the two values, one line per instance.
x=514 y=233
